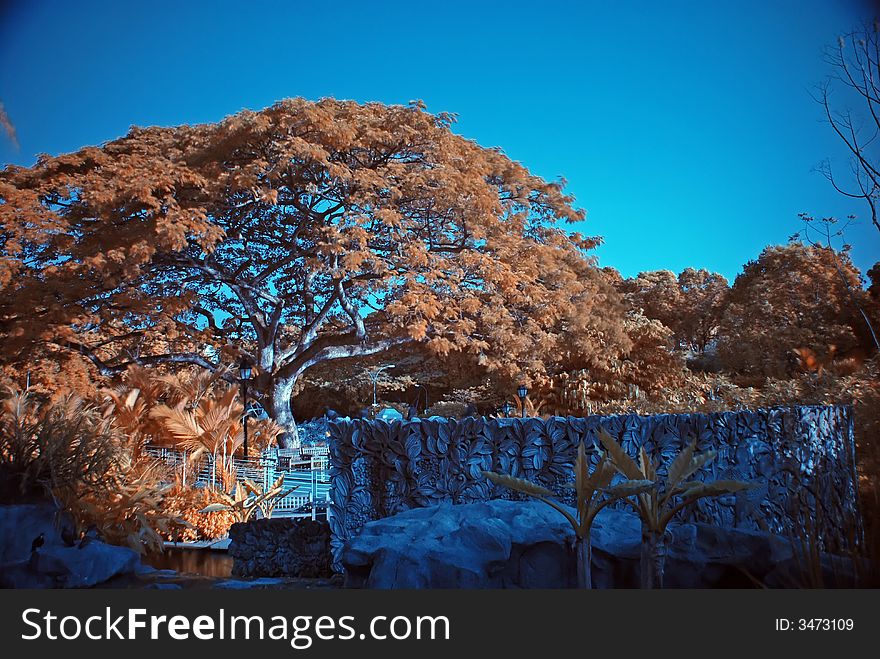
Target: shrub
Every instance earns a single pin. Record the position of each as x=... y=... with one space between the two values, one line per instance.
x=187 y=503
x=69 y=451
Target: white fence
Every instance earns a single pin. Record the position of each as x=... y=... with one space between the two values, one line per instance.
x=306 y=471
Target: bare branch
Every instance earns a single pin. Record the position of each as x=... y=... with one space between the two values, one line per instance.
x=344 y=348
x=107 y=369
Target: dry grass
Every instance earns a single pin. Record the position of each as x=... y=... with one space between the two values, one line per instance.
x=50 y=447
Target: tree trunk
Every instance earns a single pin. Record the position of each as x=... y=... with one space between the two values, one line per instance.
x=653 y=558
x=584 y=555
x=282 y=414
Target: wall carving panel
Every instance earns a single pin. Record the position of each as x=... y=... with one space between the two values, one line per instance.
x=802 y=459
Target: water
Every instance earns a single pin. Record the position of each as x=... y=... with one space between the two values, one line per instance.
x=203 y=562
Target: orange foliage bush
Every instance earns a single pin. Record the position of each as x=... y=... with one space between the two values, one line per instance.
x=70 y=451
x=186 y=503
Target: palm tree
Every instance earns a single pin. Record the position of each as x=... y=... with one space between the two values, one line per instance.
x=213 y=427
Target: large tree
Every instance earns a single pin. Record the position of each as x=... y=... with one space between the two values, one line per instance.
x=690 y=303
x=792 y=297
x=307 y=232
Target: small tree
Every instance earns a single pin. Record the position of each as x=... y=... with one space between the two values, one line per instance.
x=690 y=303
x=792 y=296
x=247 y=498
x=213 y=426
x=819 y=233
x=658 y=503
x=589 y=489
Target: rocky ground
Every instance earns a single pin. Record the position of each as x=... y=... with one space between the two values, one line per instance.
x=510 y=544
x=59 y=564
x=171 y=580
x=493 y=544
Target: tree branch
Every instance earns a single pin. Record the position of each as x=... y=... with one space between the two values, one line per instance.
x=346 y=347
x=110 y=370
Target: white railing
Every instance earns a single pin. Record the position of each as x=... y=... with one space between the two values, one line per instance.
x=296 y=504
x=315 y=450
x=306 y=470
x=293 y=502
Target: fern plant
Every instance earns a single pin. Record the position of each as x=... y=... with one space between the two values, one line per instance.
x=658 y=504
x=593 y=492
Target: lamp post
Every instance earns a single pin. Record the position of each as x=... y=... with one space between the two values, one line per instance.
x=419 y=389
x=374 y=376
x=522 y=391
x=244 y=371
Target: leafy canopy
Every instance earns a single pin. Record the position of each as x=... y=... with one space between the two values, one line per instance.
x=304 y=232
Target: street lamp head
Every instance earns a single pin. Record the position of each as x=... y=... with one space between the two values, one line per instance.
x=244 y=369
x=522 y=391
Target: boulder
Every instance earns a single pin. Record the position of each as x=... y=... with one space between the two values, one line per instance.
x=512 y=544
x=54 y=564
x=20 y=524
x=493 y=544
x=92 y=564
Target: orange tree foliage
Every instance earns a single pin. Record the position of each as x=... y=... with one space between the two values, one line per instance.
x=51 y=373
x=302 y=233
x=647 y=370
x=792 y=297
x=690 y=304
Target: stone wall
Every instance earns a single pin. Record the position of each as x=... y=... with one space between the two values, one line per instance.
x=801 y=458
x=280 y=547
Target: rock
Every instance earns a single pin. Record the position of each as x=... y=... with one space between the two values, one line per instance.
x=93 y=564
x=70 y=567
x=699 y=555
x=21 y=523
x=833 y=572
x=509 y=544
x=492 y=544
x=54 y=564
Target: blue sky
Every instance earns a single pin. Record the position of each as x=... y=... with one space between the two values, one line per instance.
x=685 y=129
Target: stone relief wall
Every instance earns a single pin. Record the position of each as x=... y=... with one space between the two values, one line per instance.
x=802 y=459
x=280 y=547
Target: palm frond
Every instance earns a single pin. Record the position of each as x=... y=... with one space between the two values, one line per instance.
x=518 y=484
x=625 y=464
